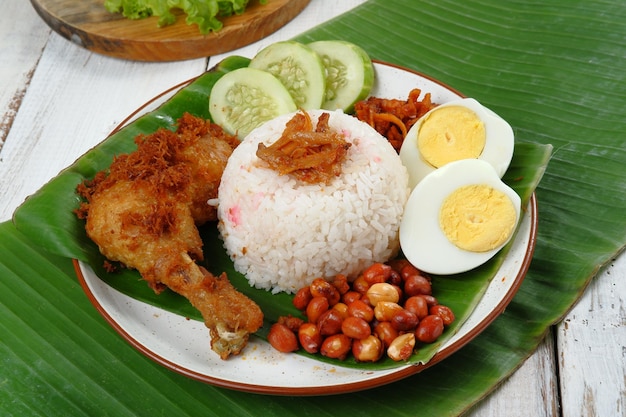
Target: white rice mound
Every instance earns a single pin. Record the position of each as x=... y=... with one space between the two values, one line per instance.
x=282 y=233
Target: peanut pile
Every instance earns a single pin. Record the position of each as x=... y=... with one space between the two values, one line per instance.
x=388 y=309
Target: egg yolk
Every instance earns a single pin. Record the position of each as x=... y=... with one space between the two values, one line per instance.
x=477 y=218
x=449 y=134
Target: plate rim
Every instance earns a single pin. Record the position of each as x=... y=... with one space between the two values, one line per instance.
x=387 y=377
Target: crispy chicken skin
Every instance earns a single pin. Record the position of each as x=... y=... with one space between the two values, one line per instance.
x=144 y=213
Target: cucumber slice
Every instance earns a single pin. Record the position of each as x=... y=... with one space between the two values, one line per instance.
x=247 y=97
x=349 y=73
x=298 y=67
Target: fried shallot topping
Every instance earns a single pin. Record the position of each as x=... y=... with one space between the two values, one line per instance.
x=311 y=155
x=393 y=118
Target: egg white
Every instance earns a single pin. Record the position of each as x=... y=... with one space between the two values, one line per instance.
x=421 y=238
x=498 y=150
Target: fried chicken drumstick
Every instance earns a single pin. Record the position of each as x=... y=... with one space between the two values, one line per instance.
x=144 y=213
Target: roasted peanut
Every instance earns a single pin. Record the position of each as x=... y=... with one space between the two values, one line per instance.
x=365 y=299
x=408 y=270
x=293 y=323
x=310 y=337
x=322 y=288
x=382 y=291
x=444 y=312
x=342 y=309
x=282 y=338
x=336 y=346
x=376 y=273
x=329 y=322
x=395 y=278
x=404 y=320
x=369 y=349
x=385 y=310
x=417 y=305
x=429 y=329
x=341 y=283
x=385 y=332
x=417 y=285
x=398 y=264
x=350 y=296
x=402 y=347
x=359 y=308
x=356 y=328
x=302 y=298
x=430 y=300
x=316 y=307
x=400 y=291
x=360 y=285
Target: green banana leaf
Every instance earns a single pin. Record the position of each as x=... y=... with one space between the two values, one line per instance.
x=47 y=219
x=553 y=69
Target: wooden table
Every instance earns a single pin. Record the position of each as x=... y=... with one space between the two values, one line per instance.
x=57 y=100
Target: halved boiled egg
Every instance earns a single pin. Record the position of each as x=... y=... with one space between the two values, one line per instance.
x=458 y=218
x=460 y=129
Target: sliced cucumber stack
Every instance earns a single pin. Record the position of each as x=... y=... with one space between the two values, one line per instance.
x=298 y=67
x=247 y=97
x=285 y=76
x=349 y=73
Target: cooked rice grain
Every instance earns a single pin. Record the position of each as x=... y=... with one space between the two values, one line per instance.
x=282 y=233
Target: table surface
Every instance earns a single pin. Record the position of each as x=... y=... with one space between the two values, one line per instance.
x=57 y=100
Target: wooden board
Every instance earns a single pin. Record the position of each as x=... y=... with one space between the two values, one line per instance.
x=88 y=24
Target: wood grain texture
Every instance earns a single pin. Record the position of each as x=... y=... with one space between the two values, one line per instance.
x=591 y=347
x=23 y=40
x=88 y=24
x=81 y=113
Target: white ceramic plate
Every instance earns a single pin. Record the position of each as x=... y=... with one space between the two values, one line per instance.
x=183 y=345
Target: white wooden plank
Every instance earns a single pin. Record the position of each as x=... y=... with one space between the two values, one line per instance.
x=23 y=37
x=531 y=391
x=74 y=100
x=592 y=346
x=590 y=350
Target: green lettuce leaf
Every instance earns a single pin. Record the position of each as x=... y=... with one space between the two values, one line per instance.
x=203 y=13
